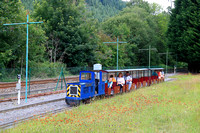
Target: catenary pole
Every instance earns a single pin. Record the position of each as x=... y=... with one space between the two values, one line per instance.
x=118 y=42
x=149 y=49
x=167 y=56
x=149 y=56
x=27 y=24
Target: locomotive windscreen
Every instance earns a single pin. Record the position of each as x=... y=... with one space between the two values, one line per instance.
x=73 y=90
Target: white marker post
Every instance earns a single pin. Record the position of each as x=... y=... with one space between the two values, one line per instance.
x=174 y=69
x=18 y=87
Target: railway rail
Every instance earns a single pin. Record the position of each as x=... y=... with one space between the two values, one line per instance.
x=32 y=92
x=45 y=81
x=11 y=111
x=31 y=105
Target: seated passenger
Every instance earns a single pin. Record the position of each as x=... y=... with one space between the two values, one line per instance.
x=110 y=81
x=154 y=73
x=113 y=79
x=162 y=74
x=120 y=81
x=159 y=75
x=128 y=80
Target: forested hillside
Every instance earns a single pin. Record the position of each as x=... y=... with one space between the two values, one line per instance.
x=99 y=9
x=103 y=9
x=28 y=4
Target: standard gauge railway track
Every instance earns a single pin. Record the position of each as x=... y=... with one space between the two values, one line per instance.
x=45 y=81
x=14 y=123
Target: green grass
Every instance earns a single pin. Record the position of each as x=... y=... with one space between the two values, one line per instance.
x=166 y=107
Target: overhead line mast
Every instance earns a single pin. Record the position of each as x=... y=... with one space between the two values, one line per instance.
x=27 y=24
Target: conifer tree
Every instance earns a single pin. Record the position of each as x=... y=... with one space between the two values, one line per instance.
x=184 y=32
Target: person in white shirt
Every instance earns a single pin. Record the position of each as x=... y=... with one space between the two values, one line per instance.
x=163 y=74
x=120 y=81
x=128 y=80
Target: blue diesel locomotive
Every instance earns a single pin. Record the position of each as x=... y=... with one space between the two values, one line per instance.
x=87 y=87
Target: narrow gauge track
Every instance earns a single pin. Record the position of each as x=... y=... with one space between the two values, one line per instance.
x=31 y=105
x=45 y=81
x=13 y=123
x=38 y=92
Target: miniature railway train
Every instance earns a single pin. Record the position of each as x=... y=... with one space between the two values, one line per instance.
x=95 y=83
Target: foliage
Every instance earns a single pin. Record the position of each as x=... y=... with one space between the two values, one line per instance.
x=184 y=33
x=13 y=38
x=171 y=106
x=71 y=35
x=103 y=9
x=140 y=29
x=28 y=4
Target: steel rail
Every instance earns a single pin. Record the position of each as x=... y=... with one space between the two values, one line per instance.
x=46 y=81
x=31 y=105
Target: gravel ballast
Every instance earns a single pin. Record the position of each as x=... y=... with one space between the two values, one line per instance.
x=16 y=115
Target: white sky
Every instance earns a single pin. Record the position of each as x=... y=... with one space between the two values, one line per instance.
x=164 y=3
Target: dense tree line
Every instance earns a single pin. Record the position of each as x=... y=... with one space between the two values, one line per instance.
x=13 y=38
x=184 y=32
x=140 y=26
x=74 y=31
x=71 y=35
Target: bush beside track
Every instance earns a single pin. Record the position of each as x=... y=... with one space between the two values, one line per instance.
x=166 y=107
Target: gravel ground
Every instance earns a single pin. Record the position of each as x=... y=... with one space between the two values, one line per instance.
x=14 y=115
x=31 y=111
x=12 y=104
